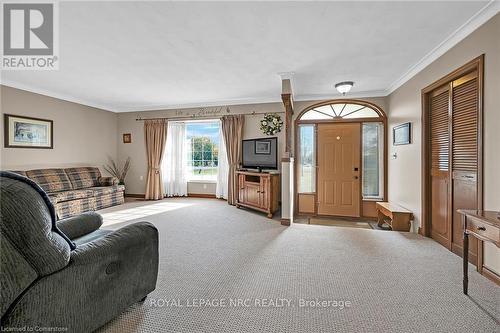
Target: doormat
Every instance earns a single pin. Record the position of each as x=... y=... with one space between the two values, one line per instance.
x=340 y=223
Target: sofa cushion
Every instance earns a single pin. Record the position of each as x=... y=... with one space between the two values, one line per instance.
x=108 y=200
x=50 y=180
x=83 y=177
x=107 y=181
x=107 y=189
x=79 y=225
x=75 y=207
x=70 y=195
x=90 y=237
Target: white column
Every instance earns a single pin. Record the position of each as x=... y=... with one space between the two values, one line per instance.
x=287 y=191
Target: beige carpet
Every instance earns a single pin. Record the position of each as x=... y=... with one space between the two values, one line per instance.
x=395 y=282
x=339 y=223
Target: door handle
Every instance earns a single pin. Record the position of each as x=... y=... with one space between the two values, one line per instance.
x=481 y=228
x=356 y=177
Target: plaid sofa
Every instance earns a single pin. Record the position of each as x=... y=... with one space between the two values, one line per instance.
x=77 y=190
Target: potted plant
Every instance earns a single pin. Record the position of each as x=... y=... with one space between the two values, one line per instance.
x=113 y=169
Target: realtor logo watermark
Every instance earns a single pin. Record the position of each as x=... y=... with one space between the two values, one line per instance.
x=30 y=36
x=249 y=303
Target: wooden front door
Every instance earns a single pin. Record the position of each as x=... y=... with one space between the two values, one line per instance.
x=339 y=154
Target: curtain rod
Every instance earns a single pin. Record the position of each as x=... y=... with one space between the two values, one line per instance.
x=194 y=116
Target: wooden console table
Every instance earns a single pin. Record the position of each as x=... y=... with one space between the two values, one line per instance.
x=259 y=191
x=482 y=224
x=399 y=216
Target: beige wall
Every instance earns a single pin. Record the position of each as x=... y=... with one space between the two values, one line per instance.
x=405 y=105
x=82 y=135
x=136 y=179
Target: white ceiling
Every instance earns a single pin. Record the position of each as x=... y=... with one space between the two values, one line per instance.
x=133 y=56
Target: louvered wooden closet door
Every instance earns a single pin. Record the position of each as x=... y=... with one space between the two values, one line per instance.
x=465 y=111
x=440 y=166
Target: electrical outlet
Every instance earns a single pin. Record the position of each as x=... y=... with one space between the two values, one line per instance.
x=204 y=186
x=141 y=177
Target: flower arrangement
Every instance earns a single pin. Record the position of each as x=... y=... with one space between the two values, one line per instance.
x=271 y=124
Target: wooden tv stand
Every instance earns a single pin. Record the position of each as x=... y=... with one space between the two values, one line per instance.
x=259 y=191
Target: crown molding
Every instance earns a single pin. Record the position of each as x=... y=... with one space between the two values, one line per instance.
x=64 y=97
x=241 y=101
x=478 y=19
x=360 y=94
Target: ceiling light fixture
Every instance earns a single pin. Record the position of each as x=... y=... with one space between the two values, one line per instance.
x=344 y=87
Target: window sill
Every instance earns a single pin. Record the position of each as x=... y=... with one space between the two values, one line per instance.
x=208 y=181
x=373 y=199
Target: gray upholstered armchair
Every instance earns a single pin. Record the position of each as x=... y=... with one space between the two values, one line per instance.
x=67 y=274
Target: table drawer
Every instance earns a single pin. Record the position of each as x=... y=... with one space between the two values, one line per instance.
x=483 y=229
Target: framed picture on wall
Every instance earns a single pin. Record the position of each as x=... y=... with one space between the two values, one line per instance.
x=127 y=138
x=401 y=134
x=27 y=132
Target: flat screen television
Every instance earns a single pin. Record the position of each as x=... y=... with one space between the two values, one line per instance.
x=260 y=153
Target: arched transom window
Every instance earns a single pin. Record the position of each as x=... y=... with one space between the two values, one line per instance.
x=340 y=111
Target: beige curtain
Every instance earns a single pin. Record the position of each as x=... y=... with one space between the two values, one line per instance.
x=232 y=128
x=155 y=132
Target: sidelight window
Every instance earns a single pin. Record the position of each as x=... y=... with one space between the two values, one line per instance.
x=373 y=160
x=307 y=159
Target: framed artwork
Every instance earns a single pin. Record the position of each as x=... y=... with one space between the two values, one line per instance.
x=27 y=132
x=262 y=147
x=127 y=138
x=401 y=134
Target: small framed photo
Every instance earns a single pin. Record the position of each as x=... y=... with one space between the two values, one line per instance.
x=401 y=134
x=127 y=138
x=263 y=147
x=27 y=132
